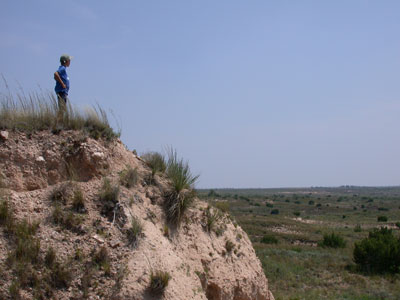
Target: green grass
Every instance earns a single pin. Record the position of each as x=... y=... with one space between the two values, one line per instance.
x=134 y=232
x=156 y=162
x=109 y=198
x=333 y=240
x=212 y=216
x=37 y=111
x=129 y=177
x=78 y=201
x=296 y=267
x=181 y=193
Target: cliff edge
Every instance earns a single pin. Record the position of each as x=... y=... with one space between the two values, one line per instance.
x=63 y=237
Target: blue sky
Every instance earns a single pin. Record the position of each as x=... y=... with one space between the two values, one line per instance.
x=251 y=93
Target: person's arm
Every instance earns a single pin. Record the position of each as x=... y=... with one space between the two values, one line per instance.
x=58 y=78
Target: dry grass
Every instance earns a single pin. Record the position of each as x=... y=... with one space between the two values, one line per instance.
x=38 y=111
x=158 y=282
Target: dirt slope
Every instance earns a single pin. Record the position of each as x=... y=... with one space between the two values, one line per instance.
x=92 y=247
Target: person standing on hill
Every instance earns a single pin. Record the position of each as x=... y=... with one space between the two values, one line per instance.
x=62 y=83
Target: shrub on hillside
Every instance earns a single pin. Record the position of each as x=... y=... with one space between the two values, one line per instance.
x=158 y=282
x=129 y=177
x=332 y=240
x=212 y=216
x=378 y=253
x=134 y=232
x=275 y=212
x=269 y=239
x=156 y=162
x=180 y=194
x=382 y=219
x=109 y=198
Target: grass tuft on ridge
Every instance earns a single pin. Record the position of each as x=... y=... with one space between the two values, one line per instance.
x=36 y=112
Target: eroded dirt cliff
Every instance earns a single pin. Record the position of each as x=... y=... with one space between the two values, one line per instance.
x=42 y=175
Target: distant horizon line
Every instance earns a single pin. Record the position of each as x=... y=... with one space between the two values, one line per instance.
x=302 y=187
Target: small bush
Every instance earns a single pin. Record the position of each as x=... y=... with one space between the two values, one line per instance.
x=229 y=246
x=212 y=216
x=357 y=228
x=311 y=202
x=398 y=224
x=129 y=177
x=60 y=194
x=333 y=240
x=382 y=219
x=14 y=290
x=296 y=213
x=6 y=215
x=269 y=239
x=158 y=282
x=269 y=205
x=102 y=259
x=78 y=201
x=181 y=194
x=275 y=212
x=134 y=232
x=109 y=197
x=50 y=257
x=379 y=253
x=156 y=162
x=67 y=219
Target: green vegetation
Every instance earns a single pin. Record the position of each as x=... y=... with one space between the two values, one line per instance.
x=181 y=194
x=333 y=240
x=101 y=259
x=229 y=246
x=212 y=216
x=382 y=219
x=37 y=112
x=129 y=177
x=379 y=252
x=134 y=232
x=78 y=201
x=109 y=198
x=158 y=282
x=269 y=239
x=296 y=267
x=156 y=162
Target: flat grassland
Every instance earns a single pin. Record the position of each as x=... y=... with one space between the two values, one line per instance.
x=286 y=227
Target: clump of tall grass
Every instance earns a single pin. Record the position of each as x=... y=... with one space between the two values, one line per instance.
x=38 y=111
x=158 y=282
x=181 y=193
x=129 y=177
x=134 y=232
x=156 y=162
x=212 y=216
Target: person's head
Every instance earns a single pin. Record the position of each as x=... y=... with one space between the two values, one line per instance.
x=65 y=60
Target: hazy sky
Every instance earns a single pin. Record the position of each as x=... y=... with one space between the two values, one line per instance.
x=251 y=93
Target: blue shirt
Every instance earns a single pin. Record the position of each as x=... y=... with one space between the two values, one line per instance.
x=62 y=71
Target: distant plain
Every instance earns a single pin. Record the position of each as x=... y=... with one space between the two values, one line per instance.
x=286 y=227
